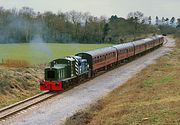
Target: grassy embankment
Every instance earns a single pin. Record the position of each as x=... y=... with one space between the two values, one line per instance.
x=18 y=83
x=150 y=97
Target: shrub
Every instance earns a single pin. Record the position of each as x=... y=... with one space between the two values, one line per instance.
x=16 y=63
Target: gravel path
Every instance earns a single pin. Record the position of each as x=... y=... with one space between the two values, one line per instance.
x=56 y=110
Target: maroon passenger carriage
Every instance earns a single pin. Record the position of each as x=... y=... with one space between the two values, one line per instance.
x=124 y=51
x=147 y=44
x=100 y=59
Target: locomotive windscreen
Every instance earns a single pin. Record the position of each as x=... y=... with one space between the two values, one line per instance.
x=51 y=74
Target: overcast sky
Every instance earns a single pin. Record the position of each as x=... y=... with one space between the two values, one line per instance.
x=166 y=8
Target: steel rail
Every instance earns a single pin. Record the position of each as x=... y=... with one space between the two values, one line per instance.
x=22 y=105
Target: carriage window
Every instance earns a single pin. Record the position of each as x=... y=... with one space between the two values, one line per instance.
x=104 y=57
x=94 y=60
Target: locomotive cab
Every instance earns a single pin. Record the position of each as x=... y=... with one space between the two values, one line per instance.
x=58 y=72
x=62 y=70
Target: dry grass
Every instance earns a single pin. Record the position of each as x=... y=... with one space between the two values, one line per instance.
x=15 y=63
x=18 y=83
x=151 y=97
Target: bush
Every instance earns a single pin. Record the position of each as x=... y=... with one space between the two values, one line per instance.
x=15 y=63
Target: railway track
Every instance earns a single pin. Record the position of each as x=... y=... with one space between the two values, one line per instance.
x=22 y=105
x=13 y=109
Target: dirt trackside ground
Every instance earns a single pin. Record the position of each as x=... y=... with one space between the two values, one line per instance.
x=150 y=97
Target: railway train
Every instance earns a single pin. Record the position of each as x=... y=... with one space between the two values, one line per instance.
x=64 y=72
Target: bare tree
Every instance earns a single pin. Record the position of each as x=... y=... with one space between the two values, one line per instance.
x=27 y=14
x=85 y=20
x=135 y=18
x=163 y=20
x=178 y=23
x=172 y=21
x=167 y=21
x=157 y=20
x=76 y=18
x=138 y=16
x=149 y=20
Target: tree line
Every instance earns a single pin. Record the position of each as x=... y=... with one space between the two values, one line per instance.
x=26 y=25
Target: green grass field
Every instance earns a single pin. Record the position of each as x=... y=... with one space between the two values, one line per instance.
x=41 y=52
